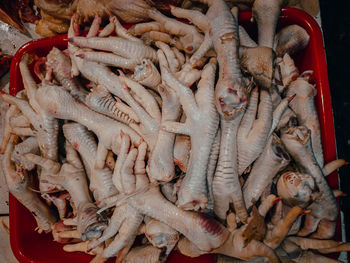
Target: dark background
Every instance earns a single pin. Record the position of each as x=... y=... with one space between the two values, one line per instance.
x=335 y=17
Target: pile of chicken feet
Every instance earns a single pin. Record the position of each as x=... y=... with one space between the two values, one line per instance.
x=189 y=133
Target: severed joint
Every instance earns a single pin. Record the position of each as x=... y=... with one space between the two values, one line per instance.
x=296 y=188
x=147 y=74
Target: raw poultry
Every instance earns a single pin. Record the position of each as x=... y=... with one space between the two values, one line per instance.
x=208 y=144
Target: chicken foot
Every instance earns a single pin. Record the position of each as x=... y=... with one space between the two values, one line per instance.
x=18 y=183
x=325 y=207
x=161 y=235
x=71 y=176
x=83 y=141
x=253 y=133
x=52 y=98
x=273 y=159
x=29 y=145
x=61 y=67
x=201 y=116
x=102 y=101
x=304 y=107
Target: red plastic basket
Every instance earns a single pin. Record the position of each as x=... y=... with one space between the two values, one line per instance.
x=31 y=247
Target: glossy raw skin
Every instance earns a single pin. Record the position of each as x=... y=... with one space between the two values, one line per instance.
x=95 y=72
x=147 y=74
x=323 y=246
x=333 y=165
x=161 y=163
x=230 y=97
x=102 y=101
x=109 y=59
x=206 y=233
x=45 y=125
x=133 y=11
x=125 y=221
x=267 y=204
x=324 y=209
x=213 y=159
x=203 y=231
x=18 y=183
x=235 y=247
x=189 y=37
x=226 y=185
x=6 y=127
x=296 y=188
x=161 y=235
x=201 y=125
x=149 y=116
x=273 y=159
x=275 y=236
x=194 y=16
x=119 y=46
x=259 y=63
x=304 y=107
x=60 y=104
x=290 y=40
x=71 y=176
x=253 y=132
x=19 y=120
x=83 y=141
x=284 y=117
x=186 y=76
x=140 y=28
x=47 y=138
x=266 y=13
x=141 y=96
x=291 y=252
x=182 y=149
x=83 y=247
x=310 y=257
x=286 y=73
x=169 y=191
x=61 y=67
x=29 y=145
x=230 y=92
x=144 y=254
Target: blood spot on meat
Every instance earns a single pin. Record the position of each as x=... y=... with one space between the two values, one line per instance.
x=210 y=225
x=189 y=48
x=180 y=165
x=229 y=90
x=76 y=145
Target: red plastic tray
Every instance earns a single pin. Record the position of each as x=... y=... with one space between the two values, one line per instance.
x=30 y=247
